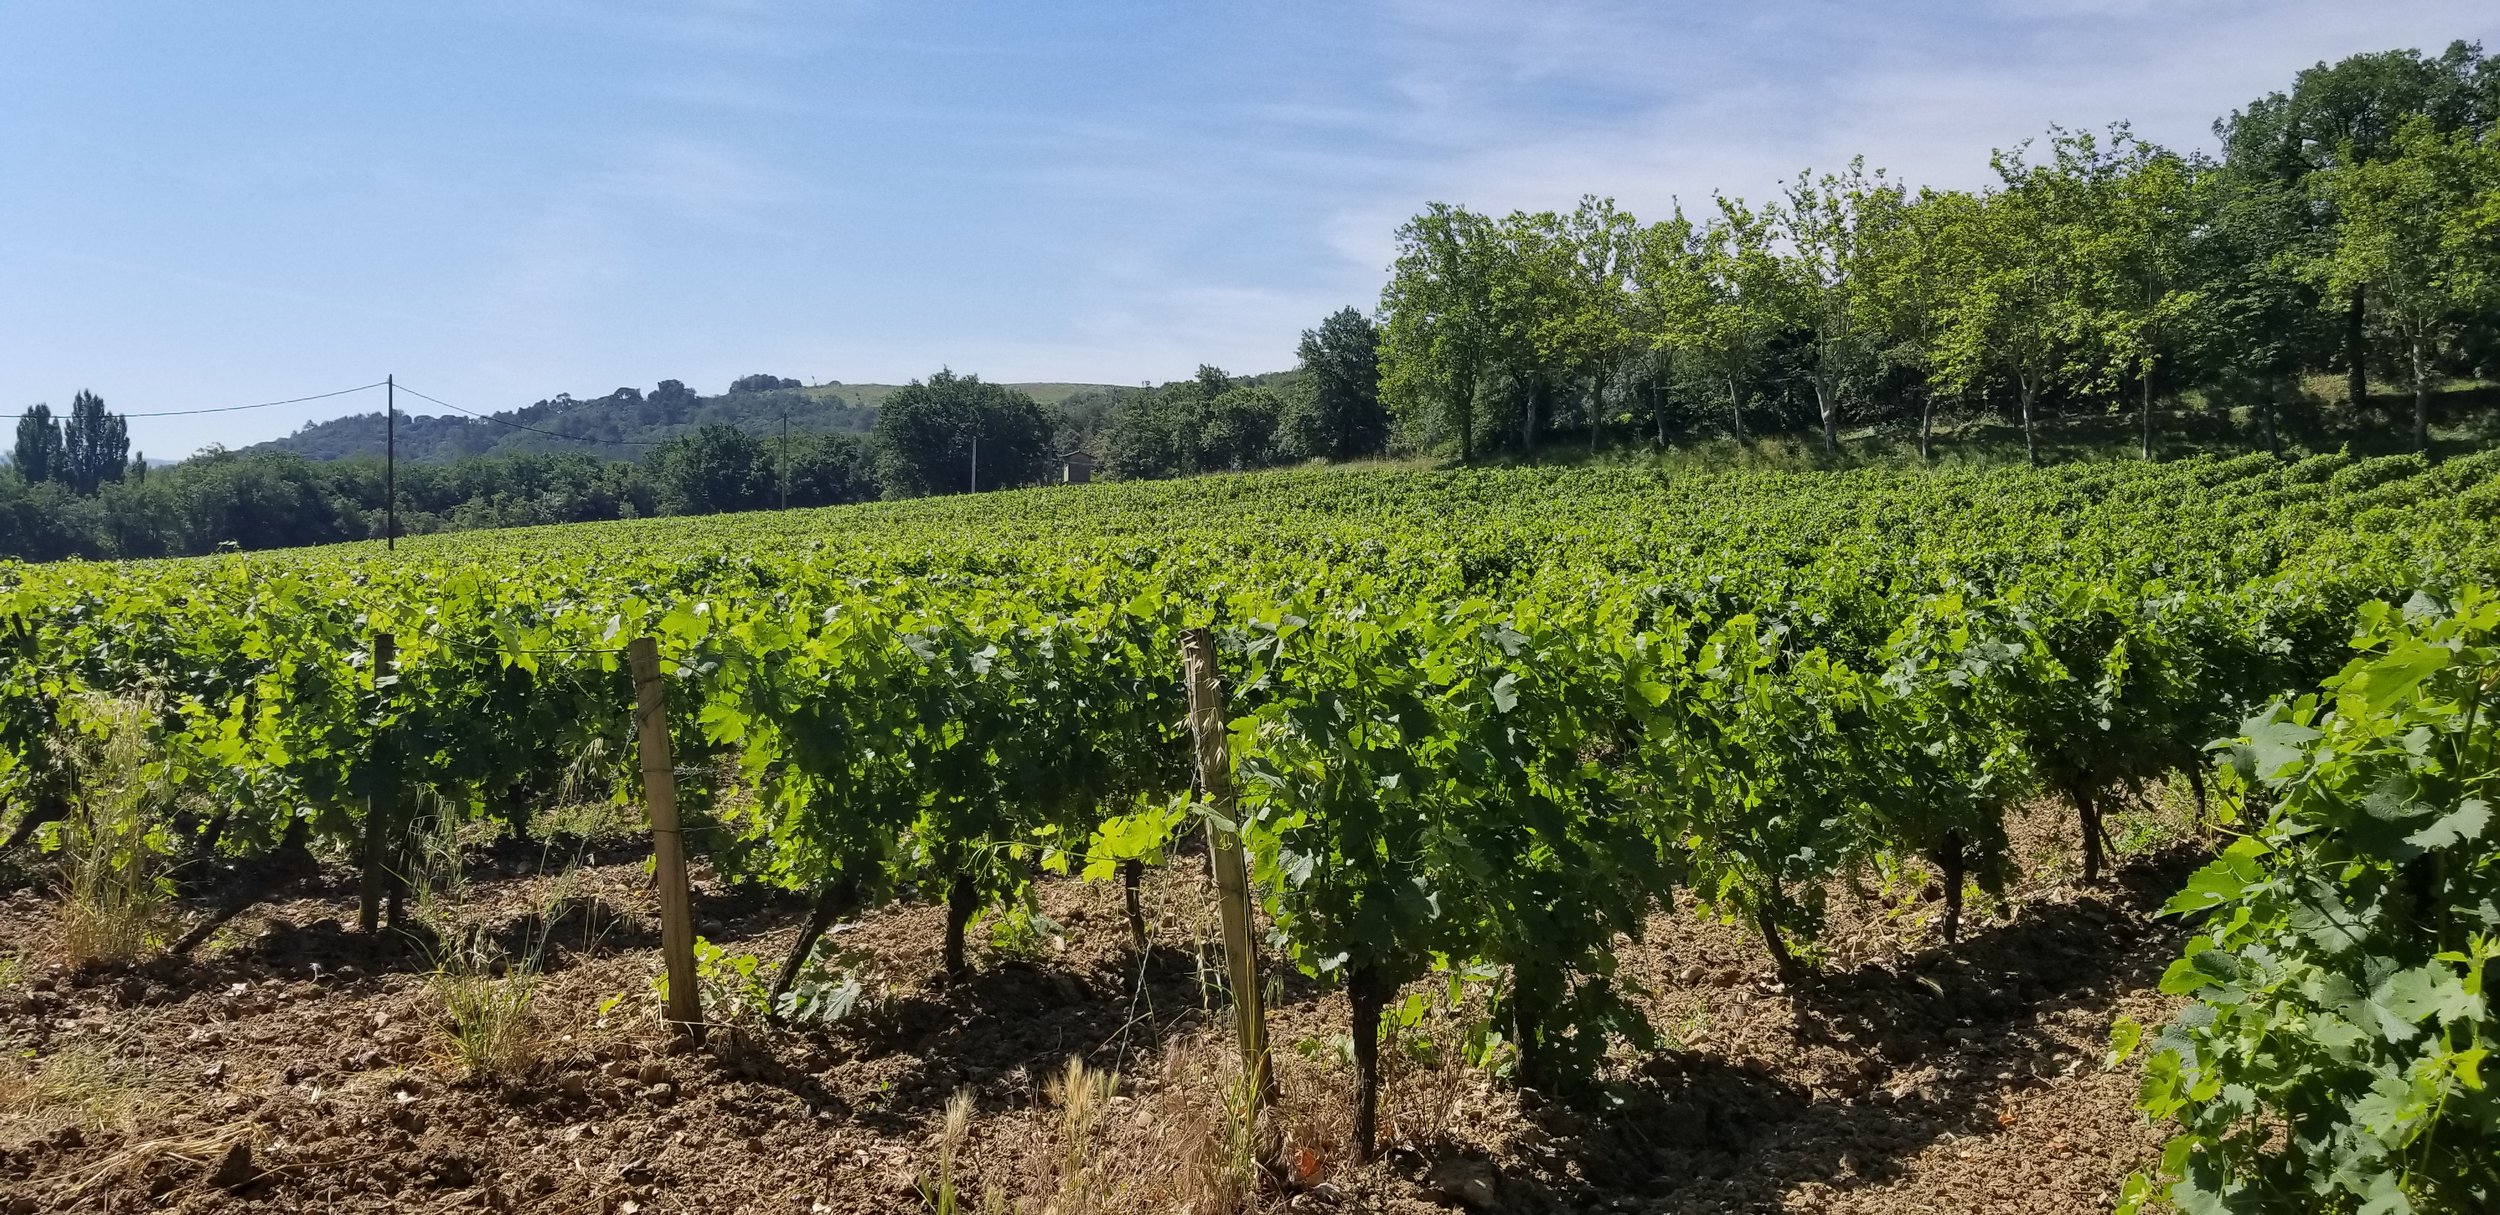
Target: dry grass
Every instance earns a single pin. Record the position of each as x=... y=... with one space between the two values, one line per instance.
x=203 y=1150
x=1184 y=1145
x=1081 y=1176
x=82 y=1086
x=1207 y=1096
x=1425 y=1080
x=1179 y=1135
x=944 y=1191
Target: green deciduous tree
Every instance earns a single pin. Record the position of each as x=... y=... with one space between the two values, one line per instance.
x=715 y=469
x=2258 y=318
x=1909 y=270
x=2421 y=235
x=1746 y=302
x=1338 y=413
x=1441 y=330
x=930 y=433
x=830 y=469
x=2137 y=215
x=1239 y=430
x=1671 y=287
x=1210 y=422
x=2345 y=114
x=2023 y=302
x=1599 y=243
x=1833 y=227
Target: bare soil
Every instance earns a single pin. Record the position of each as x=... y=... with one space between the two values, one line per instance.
x=294 y=1064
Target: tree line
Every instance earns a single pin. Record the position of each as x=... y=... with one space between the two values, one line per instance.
x=55 y=503
x=1327 y=408
x=2351 y=224
x=69 y=492
x=625 y=417
x=2348 y=227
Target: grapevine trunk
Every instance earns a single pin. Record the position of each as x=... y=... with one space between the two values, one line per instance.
x=1951 y=863
x=831 y=900
x=1132 y=874
x=2088 y=813
x=1366 y=992
x=1776 y=943
x=963 y=900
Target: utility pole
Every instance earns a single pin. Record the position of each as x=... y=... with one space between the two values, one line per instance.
x=976 y=461
x=390 y=462
x=785 y=459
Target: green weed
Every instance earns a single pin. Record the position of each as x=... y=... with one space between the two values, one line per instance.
x=110 y=851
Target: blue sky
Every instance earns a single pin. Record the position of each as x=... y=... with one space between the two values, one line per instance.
x=205 y=205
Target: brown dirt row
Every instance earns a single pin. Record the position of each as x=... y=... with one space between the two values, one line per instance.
x=297 y=1065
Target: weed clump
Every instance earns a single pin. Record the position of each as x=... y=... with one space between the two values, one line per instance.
x=489 y=995
x=110 y=849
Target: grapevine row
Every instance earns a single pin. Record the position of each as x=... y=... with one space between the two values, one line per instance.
x=1480 y=719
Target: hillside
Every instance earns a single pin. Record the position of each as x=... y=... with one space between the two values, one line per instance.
x=620 y=424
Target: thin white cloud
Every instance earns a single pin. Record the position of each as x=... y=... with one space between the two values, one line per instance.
x=703 y=178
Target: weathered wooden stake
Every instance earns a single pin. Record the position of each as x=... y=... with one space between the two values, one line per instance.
x=1232 y=871
x=381 y=853
x=659 y=791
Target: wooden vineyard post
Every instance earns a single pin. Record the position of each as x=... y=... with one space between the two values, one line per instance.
x=659 y=791
x=1232 y=871
x=381 y=855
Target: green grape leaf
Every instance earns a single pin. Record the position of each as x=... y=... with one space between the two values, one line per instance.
x=2389 y=678
x=2466 y=822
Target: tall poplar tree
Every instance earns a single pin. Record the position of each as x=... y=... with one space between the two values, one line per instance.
x=95 y=445
x=37 y=455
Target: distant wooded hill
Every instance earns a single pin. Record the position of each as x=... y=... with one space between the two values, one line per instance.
x=624 y=422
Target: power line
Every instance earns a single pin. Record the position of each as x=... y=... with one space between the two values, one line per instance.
x=186 y=413
x=552 y=434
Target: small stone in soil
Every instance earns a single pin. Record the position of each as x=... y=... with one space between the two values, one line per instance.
x=1473 y=1184
x=236 y=1170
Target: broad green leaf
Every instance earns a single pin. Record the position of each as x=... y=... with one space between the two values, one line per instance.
x=2466 y=822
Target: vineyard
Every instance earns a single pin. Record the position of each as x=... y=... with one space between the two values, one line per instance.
x=1482 y=735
